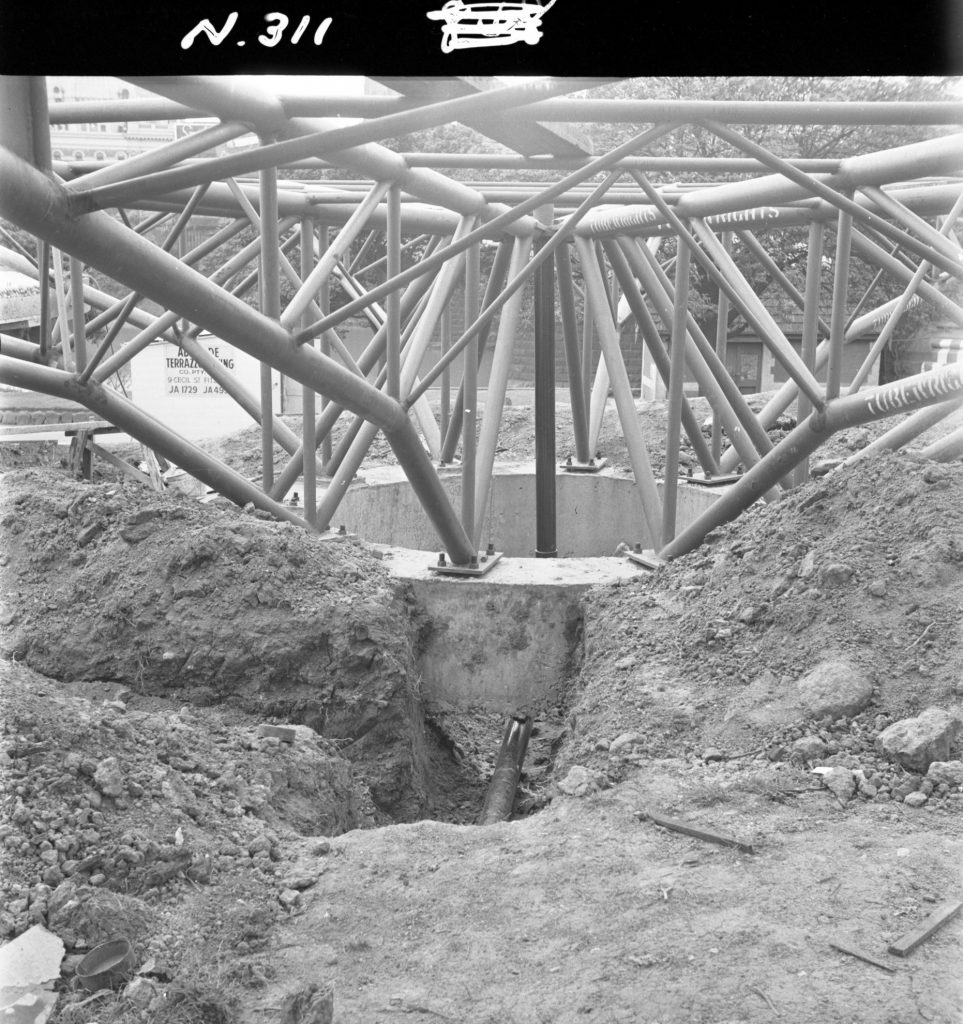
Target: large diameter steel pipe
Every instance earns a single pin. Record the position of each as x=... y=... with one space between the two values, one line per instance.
x=35 y=203
x=864 y=407
x=144 y=428
x=500 y=798
x=910 y=428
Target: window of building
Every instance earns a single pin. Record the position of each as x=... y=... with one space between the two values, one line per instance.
x=78 y=155
x=99 y=155
x=124 y=94
x=58 y=155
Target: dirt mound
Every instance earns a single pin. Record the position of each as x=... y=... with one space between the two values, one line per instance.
x=865 y=565
x=206 y=604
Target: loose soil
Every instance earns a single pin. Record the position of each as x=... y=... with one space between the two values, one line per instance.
x=146 y=638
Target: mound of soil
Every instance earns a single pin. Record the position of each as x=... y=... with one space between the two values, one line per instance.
x=206 y=604
x=865 y=565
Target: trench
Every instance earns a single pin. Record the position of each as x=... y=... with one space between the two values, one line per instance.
x=507 y=644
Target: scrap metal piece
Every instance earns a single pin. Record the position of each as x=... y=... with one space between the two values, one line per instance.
x=941 y=916
x=708 y=835
x=860 y=955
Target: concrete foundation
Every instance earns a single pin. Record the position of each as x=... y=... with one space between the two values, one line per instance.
x=595 y=511
x=507 y=641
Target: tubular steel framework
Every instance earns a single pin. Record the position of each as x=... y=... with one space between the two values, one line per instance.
x=601 y=220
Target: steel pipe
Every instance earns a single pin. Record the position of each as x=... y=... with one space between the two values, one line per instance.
x=676 y=396
x=597 y=300
x=497 y=385
x=37 y=204
x=899 y=436
x=864 y=407
x=566 y=295
x=500 y=797
x=506 y=220
x=837 y=329
x=108 y=405
x=814 y=264
x=652 y=340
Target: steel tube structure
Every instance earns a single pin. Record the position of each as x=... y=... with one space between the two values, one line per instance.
x=470 y=393
x=904 y=432
x=546 y=545
x=652 y=340
x=496 y=281
x=573 y=357
x=902 y=396
x=39 y=205
x=676 y=396
x=834 y=366
x=144 y=428
x=597 y=299
x=814 y=263
x=883 y=205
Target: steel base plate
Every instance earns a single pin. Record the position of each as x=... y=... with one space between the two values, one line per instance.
x=592 y=466
x=485 y=565
x=713 y=481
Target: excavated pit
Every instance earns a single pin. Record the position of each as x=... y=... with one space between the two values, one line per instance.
x=507 y=641
x=406 y=674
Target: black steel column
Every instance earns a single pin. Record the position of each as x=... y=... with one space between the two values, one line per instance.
x=545 y=542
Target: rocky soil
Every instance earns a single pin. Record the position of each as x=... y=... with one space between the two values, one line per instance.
x=794 y=684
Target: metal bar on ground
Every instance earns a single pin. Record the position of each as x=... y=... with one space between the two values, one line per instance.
x=837 y=329
x=814 y=264
x=597 y=298
x=546 y=542
x=566 y=297
x=676 y=396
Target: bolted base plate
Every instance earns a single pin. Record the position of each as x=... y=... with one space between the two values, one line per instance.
x=713 y=481
x=592 y=466
x=480 y=569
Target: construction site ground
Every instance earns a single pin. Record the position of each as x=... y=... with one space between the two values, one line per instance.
x=147 y=639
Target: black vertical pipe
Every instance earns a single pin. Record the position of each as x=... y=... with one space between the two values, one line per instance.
x=545 y=523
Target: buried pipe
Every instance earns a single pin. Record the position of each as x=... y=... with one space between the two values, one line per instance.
x=500 y=797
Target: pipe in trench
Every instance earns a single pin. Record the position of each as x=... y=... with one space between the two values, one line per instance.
x=500 y=797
